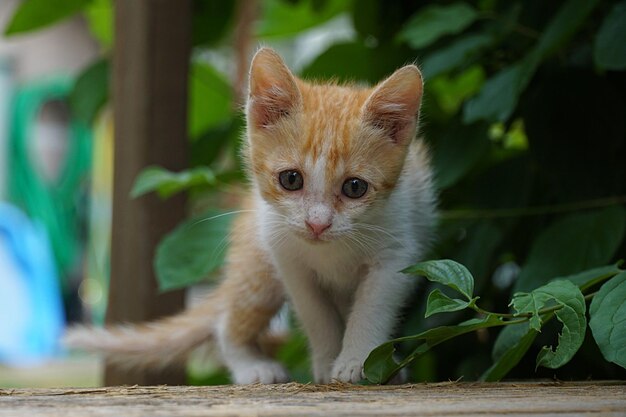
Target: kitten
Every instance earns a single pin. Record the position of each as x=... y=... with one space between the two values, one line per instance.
x=340 y=201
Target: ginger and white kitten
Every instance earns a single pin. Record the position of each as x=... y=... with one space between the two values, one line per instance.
x=340 y=201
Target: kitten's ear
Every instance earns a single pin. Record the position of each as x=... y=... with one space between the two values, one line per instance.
x=394 y=104
x=273 y=90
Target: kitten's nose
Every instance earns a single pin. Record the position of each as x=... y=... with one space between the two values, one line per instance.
x=317 y=228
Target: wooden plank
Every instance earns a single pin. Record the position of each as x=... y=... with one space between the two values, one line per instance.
x=607 y=399
x=150 y=70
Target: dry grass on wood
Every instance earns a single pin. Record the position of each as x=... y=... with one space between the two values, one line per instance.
x=443 y=399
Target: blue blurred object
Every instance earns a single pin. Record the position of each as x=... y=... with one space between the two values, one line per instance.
x=31 y=309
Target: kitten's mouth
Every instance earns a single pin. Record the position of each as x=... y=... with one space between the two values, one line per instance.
x=314 y=239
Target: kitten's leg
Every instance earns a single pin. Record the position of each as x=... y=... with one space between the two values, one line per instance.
x=252 y=297
x=377 y=302
x=321 y=321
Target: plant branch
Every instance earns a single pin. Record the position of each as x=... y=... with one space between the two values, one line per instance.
x=532 y=211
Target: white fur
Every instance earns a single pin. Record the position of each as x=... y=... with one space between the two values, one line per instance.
x=347 y=294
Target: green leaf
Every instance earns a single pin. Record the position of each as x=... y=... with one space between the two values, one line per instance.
x=192 y=251
x=562 y=26
x=446 y=272
x=454 y=55
x=91 y=91
x=436 y=21
x=210 y=99
x=380 y=365
x=594 y=276
x=438 y=302
x=457 y=150
x=609 y=48
x=209 y=145
x=511 y=356
x=280 y=18
x=571 y=315
x=508 y=337
x=99 y=14
x=531 y=303
x=36 y=14
x=167 y=183
x=499 y=96
x=211 y=19
x=608 y=319
x=571 y=244
x=450 y=91
x=354 y=61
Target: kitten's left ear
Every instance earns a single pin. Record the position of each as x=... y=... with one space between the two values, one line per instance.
x=394 y=104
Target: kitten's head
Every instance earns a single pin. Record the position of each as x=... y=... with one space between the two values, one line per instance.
x=323 y=155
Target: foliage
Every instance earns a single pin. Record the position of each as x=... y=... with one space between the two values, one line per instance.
x=561 y=298
x=525 y=116
x=177 y=262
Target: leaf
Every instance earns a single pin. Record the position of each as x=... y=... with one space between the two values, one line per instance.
x=524 y=303
x=91 y=91
x=573 y=243
x=594 y=276
x=380 y=365
x=167 y=183
x=500 y=94
x=454 y=55
x=562 y=26
x=354 y=61
x=508 y=337
x=210 y=99
x=572 y=315
x=511 y=356
x=438 y=302
x=280 y=18
x=192 y=251
x=436 y=21
x=36 y=14
x=446 y=272
x=498 y=97
x=209 y=145
x=457 y=151
x=99 y=14
x=608 y=319
x=211 y=19
x=451 y=91
x=609 y=48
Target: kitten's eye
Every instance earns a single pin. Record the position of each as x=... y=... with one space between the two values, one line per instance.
x=354 y=188
x=291 y=180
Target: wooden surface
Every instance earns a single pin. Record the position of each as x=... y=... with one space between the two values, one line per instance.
x=606 y=399
x=150 y=68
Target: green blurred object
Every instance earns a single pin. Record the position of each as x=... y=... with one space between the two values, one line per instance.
x=55 y=203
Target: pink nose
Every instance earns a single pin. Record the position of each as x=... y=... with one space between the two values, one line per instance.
x=317 y=228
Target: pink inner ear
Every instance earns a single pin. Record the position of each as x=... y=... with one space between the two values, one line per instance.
x=273 y=90
x=268 y=108
x=394 y=104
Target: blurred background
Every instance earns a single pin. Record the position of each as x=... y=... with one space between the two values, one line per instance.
x=524 y=111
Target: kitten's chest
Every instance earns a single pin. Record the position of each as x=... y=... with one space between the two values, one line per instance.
x=334 y=265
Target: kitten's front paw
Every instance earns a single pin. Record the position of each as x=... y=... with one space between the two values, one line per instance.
x=350 y=370
x=265 y=372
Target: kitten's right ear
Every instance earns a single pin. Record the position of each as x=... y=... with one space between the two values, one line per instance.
x=273 y=90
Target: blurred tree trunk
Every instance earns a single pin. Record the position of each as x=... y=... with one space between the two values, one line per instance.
x=151 y=62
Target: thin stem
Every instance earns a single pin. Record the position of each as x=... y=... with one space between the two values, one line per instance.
x=590 y=296
x=532 y=211
x=517 y=27
x=523 y=316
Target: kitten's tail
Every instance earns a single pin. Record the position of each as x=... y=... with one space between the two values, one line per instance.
x=155 y=345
